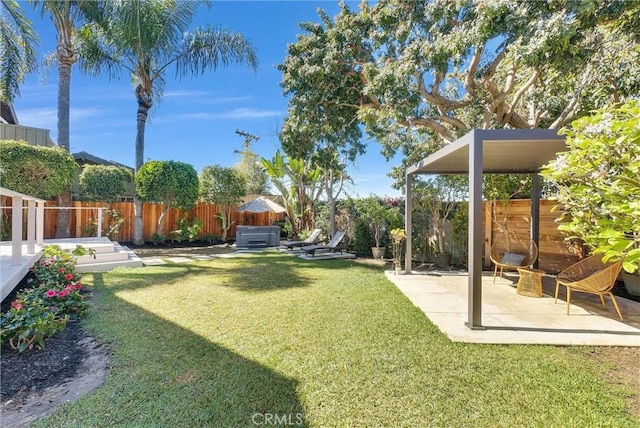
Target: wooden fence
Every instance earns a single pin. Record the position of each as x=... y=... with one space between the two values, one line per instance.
x=84 y=219
x=555 y=252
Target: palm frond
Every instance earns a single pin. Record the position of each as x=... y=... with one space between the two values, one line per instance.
x=18 y=42
x=208 y=48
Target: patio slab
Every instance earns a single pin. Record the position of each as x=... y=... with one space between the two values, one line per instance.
x=510 y=318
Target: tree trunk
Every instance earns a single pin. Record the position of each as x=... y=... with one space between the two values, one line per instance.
x=138 y=237
x=225 y=220
x=65 y=61
x=145 y=101
x=163 y=215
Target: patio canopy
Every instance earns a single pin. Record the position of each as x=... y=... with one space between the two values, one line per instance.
x=481 y=151
x=261 y=205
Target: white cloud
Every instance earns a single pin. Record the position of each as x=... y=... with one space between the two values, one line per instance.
x=47 y=118
x=240 y=113
x=38 y=117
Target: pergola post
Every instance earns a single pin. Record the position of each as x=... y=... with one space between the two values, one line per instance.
x=535 y=212
x=408 y=219
x=475 y=234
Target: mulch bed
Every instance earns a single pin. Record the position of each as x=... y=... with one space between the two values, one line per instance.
x=33 y=371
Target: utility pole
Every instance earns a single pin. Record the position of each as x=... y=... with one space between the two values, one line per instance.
x=248 y=138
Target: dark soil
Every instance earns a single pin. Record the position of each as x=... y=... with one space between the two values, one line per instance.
x=32 y=371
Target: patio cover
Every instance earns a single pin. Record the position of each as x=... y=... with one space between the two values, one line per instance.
x=481 y=151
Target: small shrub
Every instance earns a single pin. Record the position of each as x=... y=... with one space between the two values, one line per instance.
x=362 y=238
x=58 y=266
x=187 y=230
x=211 y=239
x=158 y=239
x=27 y=324
x=40 y=311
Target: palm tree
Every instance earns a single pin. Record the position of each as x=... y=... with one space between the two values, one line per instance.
x=146 y=38
x=18 y=43
x=65 y=15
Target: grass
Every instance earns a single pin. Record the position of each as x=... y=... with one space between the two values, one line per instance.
x=229 y=342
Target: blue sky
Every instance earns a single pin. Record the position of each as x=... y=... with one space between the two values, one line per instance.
x=197 y=119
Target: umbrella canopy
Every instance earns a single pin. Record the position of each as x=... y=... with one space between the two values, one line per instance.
x=261 y=205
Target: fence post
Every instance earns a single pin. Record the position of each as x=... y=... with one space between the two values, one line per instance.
x=16 y=229
x=31 y=226
x=40 y=223
x=100 y=222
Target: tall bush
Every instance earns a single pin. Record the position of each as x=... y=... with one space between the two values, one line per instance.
x=225 y=187
x=171 y=183
x=104 y=183
x=38 y=171
x=598 y=182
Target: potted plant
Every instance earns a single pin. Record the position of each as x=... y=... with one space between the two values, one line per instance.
x=397 y=236
x=440 y=196
x=598 y=185
x=376 y=216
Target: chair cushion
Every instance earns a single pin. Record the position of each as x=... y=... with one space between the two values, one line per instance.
x=513 y=259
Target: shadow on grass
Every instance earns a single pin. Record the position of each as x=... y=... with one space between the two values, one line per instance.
x=259 y=272
x=165 y=373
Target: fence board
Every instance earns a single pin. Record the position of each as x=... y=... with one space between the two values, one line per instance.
x=556 y=253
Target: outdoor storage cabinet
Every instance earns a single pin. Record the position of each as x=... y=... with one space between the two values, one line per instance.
x=257 y=236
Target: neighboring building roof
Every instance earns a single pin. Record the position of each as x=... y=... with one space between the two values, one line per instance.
x=84 y=157
x=8 y=114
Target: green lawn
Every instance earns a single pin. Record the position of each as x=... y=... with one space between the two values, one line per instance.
x=230 y=342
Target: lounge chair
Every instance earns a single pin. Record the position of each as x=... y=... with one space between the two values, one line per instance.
x=512 y=254
x=311 y=239
x=592 y=276
x=332 y=245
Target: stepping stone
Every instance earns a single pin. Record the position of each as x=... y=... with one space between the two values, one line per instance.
x=179 y=259
x=201 y=257
x=153 y=262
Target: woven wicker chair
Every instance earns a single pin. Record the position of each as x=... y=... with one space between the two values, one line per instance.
x=592 y=276
x=528 y=251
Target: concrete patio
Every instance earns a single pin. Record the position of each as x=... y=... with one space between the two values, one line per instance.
x=510 y=318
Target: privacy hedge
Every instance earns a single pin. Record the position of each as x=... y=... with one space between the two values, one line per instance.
x=42 y=172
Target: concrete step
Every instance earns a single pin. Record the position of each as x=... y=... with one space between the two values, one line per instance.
x=103 y=265
x=117 y=253
x=99 y=245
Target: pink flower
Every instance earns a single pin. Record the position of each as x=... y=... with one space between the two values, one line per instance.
x=51 y=293
x=63 y=293
x=69 y=276
x=17 y=304
x=61 y=270
x=70 y=287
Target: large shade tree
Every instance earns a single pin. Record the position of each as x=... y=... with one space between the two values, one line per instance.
x=147 y=38
x=18 y=43
x=423 y=73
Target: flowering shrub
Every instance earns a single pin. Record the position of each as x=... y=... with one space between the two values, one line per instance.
x=42 y=310
x=61 y=299
x=27 y=323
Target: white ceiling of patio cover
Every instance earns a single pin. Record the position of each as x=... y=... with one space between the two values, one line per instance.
x=503 y=151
